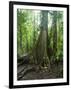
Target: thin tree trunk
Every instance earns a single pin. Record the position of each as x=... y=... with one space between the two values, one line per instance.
x=54 y=34
x=20 y=38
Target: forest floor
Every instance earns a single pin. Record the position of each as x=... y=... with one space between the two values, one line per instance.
x=31 y=72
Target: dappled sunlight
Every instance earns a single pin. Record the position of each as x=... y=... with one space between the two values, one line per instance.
x=39 y=44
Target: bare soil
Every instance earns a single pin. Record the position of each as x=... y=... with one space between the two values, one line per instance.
x=32 y=72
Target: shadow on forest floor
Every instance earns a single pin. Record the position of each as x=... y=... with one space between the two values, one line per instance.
x=31 y=72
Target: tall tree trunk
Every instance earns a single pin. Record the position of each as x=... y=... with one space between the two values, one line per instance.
x=55 y=34
x=41 y=45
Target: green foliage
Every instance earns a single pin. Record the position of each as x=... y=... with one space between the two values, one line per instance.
x=25 y=31
x=31 y=38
